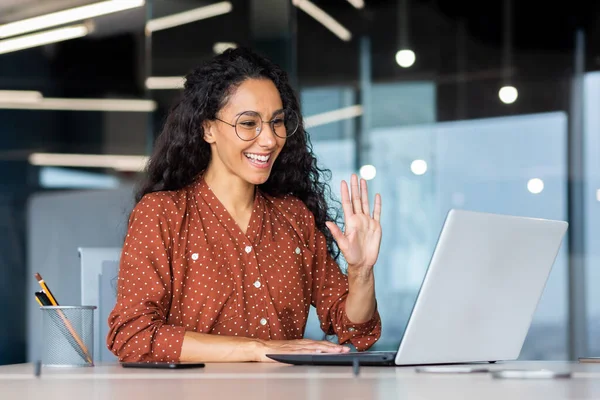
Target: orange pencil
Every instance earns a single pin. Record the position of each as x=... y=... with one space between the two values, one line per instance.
x=63 y=317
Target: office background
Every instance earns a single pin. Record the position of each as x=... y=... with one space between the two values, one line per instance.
x=433 y=127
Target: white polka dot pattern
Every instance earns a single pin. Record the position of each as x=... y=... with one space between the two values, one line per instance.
x=187 y=266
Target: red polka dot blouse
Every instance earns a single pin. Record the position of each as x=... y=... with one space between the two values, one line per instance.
x=187 y=266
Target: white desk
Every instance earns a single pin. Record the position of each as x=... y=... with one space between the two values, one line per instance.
x=249 y=381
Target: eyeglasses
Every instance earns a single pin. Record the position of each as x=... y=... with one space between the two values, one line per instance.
x=248 y=124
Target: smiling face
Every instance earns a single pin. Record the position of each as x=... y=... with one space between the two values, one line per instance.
x=249 y=160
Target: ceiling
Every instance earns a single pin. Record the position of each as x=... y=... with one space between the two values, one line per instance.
x=538 y=31
x=534 y=25
x=457 y=41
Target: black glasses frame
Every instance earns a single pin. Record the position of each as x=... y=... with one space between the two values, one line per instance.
x=271 y=123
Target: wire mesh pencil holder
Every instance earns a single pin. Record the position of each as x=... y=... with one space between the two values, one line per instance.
x=68 y=336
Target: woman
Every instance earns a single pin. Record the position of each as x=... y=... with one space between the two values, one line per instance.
x=229 y=242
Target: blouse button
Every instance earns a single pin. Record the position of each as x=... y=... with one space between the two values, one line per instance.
x=257 y=284
x=351 y=329
x=195 y=256
x=297 y=250
x=248 y=249
x=263 y=321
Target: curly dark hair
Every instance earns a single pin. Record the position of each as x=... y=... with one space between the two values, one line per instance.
x=180 y=153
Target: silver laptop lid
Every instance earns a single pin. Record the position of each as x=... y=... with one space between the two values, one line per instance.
x=481 y=289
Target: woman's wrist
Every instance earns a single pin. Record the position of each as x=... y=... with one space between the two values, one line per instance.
x=215 y=348
x=359 y=279
x=360 y=303
x=256 y=349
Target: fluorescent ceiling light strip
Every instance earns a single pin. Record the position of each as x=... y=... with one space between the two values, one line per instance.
x=186 y=17
x=357 y=3
x=67 y=104
x=220 y=47
x=165 y=82
x=118 y=162
x=325 y=19
x=20 y=96
x=333 y=116
x=67 y=16
x=43 y=38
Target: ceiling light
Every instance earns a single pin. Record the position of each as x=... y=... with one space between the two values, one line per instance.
x=117 y=162
x=333 y=116
x=186 y=17
x=368 y=172
x=68 y=104
x=405 y=58
x=418 y=167
x=508 y=94
x=325 y=19
x=357 y=3
x=165 y=82
x=220 y=47
x=43 y=38
x=535 y=185
x=67 y=16
x=20 y=96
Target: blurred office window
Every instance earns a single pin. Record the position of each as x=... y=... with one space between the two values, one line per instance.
x=592 y=207
x=62 y=178
x=334 y=147
x=485 y=165
x=403 y=103
x=318 y=100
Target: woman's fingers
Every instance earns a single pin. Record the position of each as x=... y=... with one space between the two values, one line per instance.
x=377 y=208
x=364 y=197
x=356 y=200
x=323 y=346
x=337 y=234
x=346 y=203
x=301 y=346
x=355 y=193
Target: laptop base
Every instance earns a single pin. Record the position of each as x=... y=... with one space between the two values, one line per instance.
x=366 y=358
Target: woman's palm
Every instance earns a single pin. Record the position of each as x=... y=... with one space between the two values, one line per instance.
x=360 y=241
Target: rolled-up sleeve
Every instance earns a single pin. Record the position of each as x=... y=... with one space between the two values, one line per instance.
x=138 y=329
x=329 y=294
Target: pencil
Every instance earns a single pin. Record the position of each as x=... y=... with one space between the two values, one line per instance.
x=64 y=318
x=46 y=290
x=39 y=302
x=42 y=299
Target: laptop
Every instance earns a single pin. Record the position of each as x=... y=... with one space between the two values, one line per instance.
x=478 y=297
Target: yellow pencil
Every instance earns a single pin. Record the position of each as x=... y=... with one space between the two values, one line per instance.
x=45 y=289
